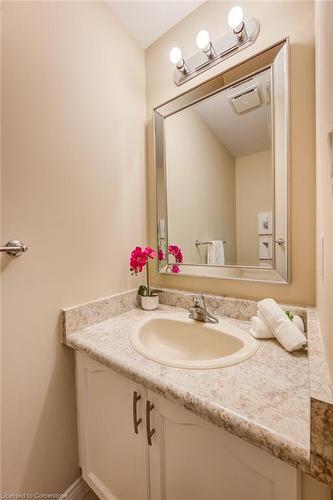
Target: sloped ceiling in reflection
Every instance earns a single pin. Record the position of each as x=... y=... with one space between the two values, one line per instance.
x=242 y=134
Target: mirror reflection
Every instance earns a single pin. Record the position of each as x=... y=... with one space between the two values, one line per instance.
x=219 y=177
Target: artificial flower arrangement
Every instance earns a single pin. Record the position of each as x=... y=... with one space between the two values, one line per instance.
x=140 y=258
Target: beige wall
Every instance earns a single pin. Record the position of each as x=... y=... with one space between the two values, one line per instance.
x=201 y=187
x=73 y=174
x=254 y=194
x=324 y=123
x=277 y=20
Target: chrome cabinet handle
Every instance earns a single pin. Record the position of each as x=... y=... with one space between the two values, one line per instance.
x=150 y=432
x=14 y=247
x=280 y=241
x=136 y=421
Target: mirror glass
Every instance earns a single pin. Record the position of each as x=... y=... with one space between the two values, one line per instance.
x=220 y=151
x=220 y=197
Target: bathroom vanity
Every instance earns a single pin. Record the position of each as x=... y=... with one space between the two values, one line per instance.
x=134 y=443
x=152 y=431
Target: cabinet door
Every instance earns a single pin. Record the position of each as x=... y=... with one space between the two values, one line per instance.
x=192 y=460
x=112 y=456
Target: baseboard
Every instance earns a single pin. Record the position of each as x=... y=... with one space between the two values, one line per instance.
x=77 y=490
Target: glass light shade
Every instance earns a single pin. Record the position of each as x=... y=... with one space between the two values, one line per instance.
x=235 y=17
x=202 y=39
x=175 y=55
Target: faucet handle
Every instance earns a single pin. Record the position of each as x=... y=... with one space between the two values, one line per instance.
x=202 y=297
x=199 y=300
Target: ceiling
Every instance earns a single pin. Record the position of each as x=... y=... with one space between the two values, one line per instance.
x=242 y=134
x=148 y=21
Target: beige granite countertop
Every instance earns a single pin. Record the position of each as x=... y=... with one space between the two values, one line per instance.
x=272 y=400
x=263 y=399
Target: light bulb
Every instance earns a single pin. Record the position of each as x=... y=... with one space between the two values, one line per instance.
x=202 y=39
x=235 y=17
x=175 y=55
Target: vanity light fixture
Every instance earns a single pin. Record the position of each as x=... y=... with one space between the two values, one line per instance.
x=243 y=34
x=176 y=58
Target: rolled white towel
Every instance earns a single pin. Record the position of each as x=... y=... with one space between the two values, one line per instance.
x=298 y=322
x=286 y=332
x=259 y=329
x=296 y=319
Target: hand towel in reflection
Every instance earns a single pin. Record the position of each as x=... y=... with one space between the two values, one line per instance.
x=215 y=253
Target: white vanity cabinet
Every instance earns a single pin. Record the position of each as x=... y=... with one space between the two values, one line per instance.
x=191 y=459
x=112 y=456
x=174 y=455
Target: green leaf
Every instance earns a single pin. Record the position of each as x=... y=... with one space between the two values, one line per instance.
x=290 y=315
x=143 y=290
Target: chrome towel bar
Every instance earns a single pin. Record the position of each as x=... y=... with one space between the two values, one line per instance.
x=197 y=242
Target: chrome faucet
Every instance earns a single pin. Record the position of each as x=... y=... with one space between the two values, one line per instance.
x=198 y=311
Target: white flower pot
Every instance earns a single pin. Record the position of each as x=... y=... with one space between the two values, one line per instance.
x=149 y=303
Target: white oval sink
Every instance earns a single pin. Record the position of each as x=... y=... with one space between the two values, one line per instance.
x=178 y=341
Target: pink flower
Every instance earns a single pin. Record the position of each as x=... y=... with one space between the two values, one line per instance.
x=179 y=257
x=138 y=260
x=177 y=253
x=150 y=252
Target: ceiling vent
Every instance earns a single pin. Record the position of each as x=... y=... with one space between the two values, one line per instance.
x=246 y=100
